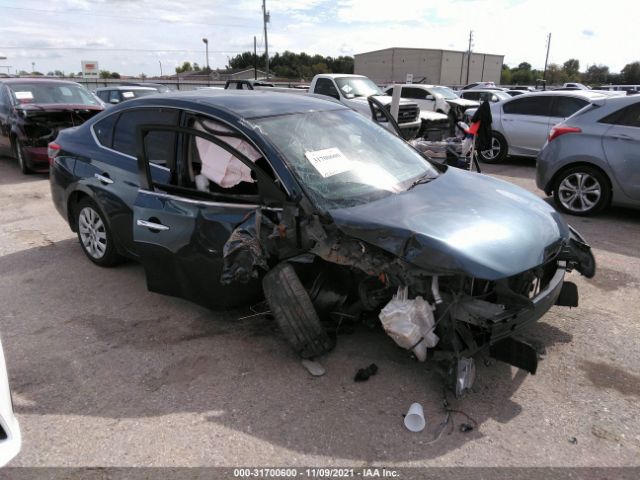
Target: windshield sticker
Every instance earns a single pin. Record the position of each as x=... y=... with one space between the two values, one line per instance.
x=127 y=94
x=329 y=162
x=24 y=95
x=347 y=88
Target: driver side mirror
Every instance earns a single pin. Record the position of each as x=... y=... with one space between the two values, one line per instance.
x=430 y=97
x=114 y=101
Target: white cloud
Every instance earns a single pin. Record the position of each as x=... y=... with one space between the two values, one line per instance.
x=517 y=29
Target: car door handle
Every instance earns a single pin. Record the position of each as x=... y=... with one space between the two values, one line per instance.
x=622 y=136
x=103 y=178
x=152 y=225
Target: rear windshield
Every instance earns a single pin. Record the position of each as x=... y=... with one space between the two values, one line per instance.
x=49 y=93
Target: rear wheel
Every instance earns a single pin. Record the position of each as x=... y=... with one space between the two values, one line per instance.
x=582 y=190
x=22 y=160
x=498 y=151
x=95 y=235
x=294 y=312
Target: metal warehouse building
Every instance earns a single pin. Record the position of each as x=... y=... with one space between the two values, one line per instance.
x=439 y=67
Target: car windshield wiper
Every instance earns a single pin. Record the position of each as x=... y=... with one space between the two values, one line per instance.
x=424 y=178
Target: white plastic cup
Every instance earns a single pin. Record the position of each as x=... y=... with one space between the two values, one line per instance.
x=414 y=419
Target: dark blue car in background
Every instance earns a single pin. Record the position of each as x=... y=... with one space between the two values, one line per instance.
x=223 y=197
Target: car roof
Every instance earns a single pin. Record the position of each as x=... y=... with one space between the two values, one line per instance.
x=243 y=103
x=484 y=90
x=9 y=81
x=587 y=94
x=340 y=75
x=125 y=87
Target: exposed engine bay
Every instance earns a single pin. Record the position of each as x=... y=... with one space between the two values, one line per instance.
x=436 y=315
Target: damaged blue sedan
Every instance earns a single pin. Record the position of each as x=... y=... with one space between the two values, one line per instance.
x=227 y=197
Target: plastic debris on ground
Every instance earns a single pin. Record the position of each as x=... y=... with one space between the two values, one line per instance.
x=410 y=322
x=314 y=368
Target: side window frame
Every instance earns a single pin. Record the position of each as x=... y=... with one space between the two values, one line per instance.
x=269 y=193
x=330 y=86
x=524 y=100
x=616 y=117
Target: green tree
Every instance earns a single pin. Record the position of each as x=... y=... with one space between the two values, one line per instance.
x=555 y=75
x=596 y=74
x=185 y=67
x=505 y=75
x=522 y=75
x=572 y=69
x=196 y=67
x=105 y=74
x=631 y=73
x=114 y=75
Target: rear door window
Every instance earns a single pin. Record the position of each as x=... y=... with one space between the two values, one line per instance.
x=566 y=106
x=535 y=105
x=628 y=116
x=104 y=130
x=160 y=146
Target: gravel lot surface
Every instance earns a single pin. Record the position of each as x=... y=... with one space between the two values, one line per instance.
x=105 y=373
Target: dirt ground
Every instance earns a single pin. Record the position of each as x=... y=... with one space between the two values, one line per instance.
x=105 y=373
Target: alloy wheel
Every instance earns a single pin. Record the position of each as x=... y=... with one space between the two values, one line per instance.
x=494 y=151
x=92 y=232
x=579 y=192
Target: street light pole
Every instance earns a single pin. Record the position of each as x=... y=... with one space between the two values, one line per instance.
x=160 y=63
x=546 y=59
x=206 y=47
x=265 y=18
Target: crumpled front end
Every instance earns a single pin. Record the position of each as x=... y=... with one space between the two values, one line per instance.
x=452 y=314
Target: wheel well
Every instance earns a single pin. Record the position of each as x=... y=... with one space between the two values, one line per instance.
x=74 y=199
x=549 y=188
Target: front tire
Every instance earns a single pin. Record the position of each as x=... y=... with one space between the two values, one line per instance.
x=95 y=235
x=583 y=190
x=22 y=159
x=294 y=312
x=498 y=151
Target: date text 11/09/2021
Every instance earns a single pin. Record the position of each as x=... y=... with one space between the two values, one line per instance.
x=369 y=472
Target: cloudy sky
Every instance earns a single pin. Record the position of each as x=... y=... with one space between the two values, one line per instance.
x=137 y=36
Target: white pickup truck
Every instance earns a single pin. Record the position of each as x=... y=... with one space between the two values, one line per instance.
x=353 y=91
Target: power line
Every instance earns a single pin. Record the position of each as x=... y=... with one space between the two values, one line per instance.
x=122 y=17
x=91 y=49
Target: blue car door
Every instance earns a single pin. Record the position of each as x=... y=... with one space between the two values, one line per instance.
x=180 y=230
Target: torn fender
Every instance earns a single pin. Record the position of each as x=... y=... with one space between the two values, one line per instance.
x=243 y=254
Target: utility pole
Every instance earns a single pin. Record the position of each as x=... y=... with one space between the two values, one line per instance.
x=160 y=62
x=544 y=75
x=206 y=49
x=255 y=59
x=265 y=20
x=469 y=55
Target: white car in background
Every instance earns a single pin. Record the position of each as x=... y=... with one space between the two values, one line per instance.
x=521 y=124
x=433 y=98
x=10 y=438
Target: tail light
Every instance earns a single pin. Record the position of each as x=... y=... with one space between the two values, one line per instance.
x=561 y=129
x=53 y=149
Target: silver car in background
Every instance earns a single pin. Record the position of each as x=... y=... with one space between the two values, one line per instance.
x=592 y=159
x=521 y=124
